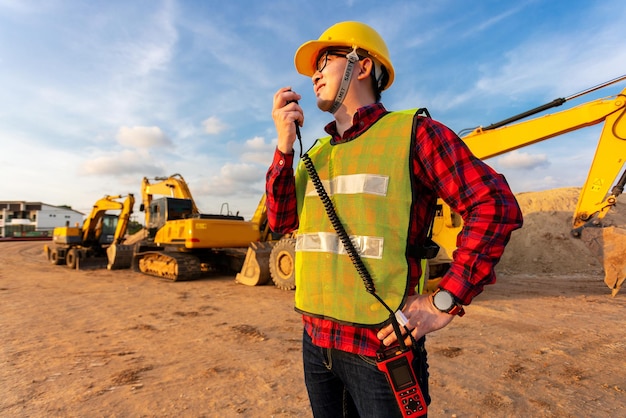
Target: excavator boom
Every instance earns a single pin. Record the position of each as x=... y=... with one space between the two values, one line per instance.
x=92 y=227
x=604 y=181
x=608 y=160
x=120 y=252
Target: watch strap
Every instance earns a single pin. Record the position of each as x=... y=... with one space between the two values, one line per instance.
x=457 y=310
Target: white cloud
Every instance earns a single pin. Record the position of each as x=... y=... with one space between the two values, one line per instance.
x=240 y=183
x=142 y=137
x=523 y=160
x=256 y=150
x=240 y=173
x=125 y=162
x=558 y=64
x=490 y=22
x=213 y=125
x=257 y=143
x=233 y=179
x=535 y=66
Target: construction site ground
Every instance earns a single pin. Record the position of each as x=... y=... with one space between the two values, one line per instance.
x=548 y=340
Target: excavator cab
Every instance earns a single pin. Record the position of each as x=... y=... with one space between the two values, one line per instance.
x=108 y=225
x=167 y=209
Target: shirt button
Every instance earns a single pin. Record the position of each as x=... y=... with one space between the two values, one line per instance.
x=281 y=162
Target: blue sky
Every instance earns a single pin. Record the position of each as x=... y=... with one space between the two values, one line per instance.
x=95 y=95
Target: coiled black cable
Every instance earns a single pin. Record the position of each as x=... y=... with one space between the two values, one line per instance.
x=338 y=226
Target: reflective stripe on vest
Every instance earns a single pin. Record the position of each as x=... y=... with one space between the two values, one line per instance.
x=368 y=181
x=327 y=242
x=352 y=184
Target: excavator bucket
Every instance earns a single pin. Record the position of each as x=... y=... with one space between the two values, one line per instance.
x=609 y=246
x=120 y=256
x=255 y=270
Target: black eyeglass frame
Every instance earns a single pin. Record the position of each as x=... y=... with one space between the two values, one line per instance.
x=333 y=53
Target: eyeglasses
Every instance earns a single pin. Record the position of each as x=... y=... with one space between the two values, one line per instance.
x=323 y=59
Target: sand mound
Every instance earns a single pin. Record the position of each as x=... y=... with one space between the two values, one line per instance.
x=544 y=244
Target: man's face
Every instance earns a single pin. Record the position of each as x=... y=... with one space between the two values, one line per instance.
x=327 y=77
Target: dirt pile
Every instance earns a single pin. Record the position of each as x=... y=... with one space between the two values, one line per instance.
x=544 y=244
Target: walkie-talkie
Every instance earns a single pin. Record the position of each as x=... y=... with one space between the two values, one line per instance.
x=396 y=363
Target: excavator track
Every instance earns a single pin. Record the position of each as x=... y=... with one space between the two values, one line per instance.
x=168 y=265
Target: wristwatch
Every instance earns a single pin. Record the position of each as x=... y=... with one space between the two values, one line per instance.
x=446 y=302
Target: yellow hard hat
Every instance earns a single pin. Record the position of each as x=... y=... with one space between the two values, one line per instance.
x=345 y=34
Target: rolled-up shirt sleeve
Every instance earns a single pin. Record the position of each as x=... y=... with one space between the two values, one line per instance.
x=480 y=195
x=280 y=192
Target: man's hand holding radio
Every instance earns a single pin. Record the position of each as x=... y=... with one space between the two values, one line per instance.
x=422 y=317
x=285 y=112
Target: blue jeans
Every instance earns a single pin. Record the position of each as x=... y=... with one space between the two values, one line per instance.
x=342 y=384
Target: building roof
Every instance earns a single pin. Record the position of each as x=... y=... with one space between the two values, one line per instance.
x=28 y=205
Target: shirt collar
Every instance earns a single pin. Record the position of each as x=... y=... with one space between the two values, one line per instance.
x=362 y=120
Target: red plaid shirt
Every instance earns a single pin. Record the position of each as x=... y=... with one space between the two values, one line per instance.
x=442 y=166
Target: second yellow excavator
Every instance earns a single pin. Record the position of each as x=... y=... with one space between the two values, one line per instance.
x=183 y=244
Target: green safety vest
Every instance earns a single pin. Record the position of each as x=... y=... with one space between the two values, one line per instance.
x=369 y=182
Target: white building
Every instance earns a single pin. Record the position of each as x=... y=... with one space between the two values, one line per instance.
x=21 y=217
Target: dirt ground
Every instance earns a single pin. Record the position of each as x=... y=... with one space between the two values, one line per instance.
x=548 y=340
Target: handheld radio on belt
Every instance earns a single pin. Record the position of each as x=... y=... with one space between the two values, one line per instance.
x=395 y=362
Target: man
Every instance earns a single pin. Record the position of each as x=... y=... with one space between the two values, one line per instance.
x=383 y=172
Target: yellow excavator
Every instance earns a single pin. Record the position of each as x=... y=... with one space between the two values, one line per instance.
x=596 y=199
x=85 y=247
x=184 y=244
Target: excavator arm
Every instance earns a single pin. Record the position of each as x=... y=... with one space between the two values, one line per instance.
x=124 y=219
x=92 y=227
x=596 y=199
x=604 y=182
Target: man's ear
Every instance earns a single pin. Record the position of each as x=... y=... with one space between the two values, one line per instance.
x=366 y=66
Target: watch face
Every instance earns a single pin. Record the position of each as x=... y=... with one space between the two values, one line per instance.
x=443 y=301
